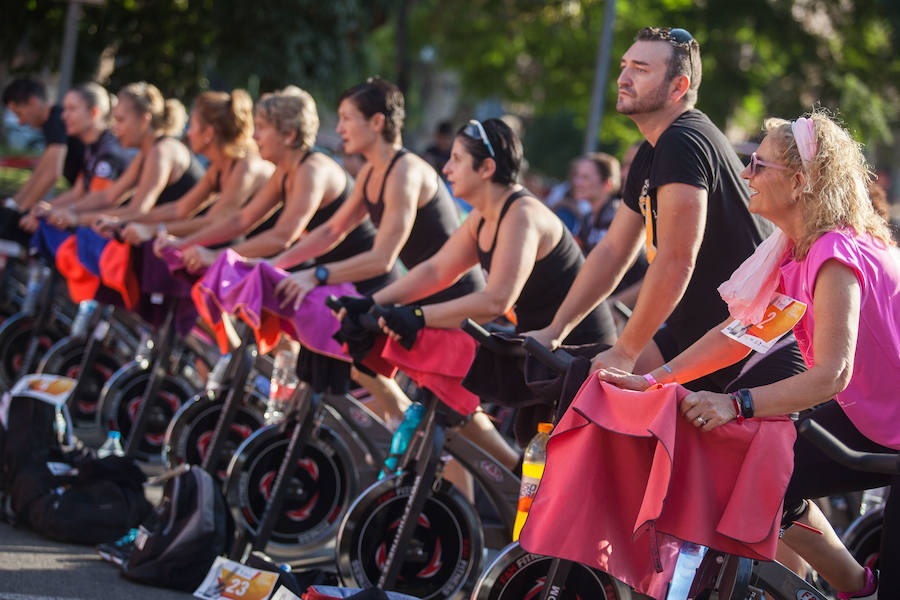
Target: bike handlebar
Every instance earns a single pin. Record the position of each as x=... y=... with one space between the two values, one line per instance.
x=841 y=453
x=332 y=302
x=558 y=360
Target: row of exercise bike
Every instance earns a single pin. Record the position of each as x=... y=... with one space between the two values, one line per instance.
x=306 y=490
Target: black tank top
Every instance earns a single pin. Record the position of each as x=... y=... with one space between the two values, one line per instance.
x=174 y=191
x=217 y=184
x=547 y=286
x=434 y=224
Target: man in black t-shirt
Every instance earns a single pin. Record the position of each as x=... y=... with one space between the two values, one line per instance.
x=62 y=155
x=685 y=201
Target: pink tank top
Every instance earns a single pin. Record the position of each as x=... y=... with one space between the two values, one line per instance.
x=872 y=399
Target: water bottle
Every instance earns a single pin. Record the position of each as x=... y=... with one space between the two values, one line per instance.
x=37 y=274
x=112 y=446
x=61 y=427
x=216 y=376
x=689 y=558
x=402 y=437
x=283 y=383
x=532 y=470
x=86 y=309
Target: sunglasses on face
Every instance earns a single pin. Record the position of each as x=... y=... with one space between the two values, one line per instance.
x=756 y=164
x=475 y=130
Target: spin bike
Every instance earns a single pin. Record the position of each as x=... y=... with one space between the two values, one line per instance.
x=413 y=532
x=337 y=447
x=517 y=574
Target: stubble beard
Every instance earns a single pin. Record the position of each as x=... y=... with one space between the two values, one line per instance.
x=650 y=103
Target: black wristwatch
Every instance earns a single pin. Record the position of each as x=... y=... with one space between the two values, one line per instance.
x=321 y=274
x=746 y=402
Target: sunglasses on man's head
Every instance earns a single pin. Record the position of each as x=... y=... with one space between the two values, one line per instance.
x=476 y=131
x=683 y=37
x=680 y=36
x=756 y=163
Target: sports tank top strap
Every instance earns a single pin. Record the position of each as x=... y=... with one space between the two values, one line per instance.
x=376 y=209
x=284 y=179
x=401 y=152
x=485 y=256
x=217 y=186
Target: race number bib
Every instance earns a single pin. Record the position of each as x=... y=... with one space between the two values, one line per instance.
x=779 y=318
x=229 y=580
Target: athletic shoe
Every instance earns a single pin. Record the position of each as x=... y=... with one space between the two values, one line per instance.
x=868 y=592
x=117 y=552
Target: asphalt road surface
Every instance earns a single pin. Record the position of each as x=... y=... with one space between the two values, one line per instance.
x=34 y=568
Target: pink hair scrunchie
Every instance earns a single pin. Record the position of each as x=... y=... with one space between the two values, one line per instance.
x=804 y=131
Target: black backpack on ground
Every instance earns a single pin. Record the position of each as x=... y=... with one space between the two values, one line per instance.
x=99 y=502
x=178 y=543
x=28 y=432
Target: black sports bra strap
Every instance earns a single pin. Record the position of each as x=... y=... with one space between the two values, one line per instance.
x=305 y=156
x=284 y=179
x=509 y=200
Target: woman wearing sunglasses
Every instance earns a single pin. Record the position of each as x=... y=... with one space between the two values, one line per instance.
x=833 y=254
x=402 y=195
x=530 y=257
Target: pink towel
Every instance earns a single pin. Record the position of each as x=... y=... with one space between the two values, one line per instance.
x=628 y=478
x=439 y=360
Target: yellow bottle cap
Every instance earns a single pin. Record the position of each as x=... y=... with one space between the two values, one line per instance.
x=545 y=427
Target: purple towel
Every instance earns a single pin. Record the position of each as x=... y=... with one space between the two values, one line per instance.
x=159 y=276
x=248 y=291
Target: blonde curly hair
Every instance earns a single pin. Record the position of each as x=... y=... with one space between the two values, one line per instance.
x=836 y=190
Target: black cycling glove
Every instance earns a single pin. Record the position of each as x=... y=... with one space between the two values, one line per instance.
x=405 y=321
x=355 y=305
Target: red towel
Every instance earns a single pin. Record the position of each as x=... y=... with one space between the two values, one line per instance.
x=82 y=284
x=439 y=360
x=117 y=272
x=628 y=478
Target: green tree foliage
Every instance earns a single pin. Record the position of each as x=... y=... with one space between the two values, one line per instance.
x=760 y=57
x=186 y=46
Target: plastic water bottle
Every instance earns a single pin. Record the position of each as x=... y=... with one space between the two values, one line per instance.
x=112 y=446
x=689 y=558
x=37 y=274
x=216 y=376
x=284 y=382
x=86 y=309
x=405 y=431
x=532 y=470
x=61 y=427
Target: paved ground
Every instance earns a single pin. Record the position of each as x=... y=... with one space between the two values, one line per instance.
x=32 y=568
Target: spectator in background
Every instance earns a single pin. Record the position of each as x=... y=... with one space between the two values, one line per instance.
x=438 y=153
x=596 y=181
x=63 y=154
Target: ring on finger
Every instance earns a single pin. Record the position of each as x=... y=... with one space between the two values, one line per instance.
x=701 y=421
